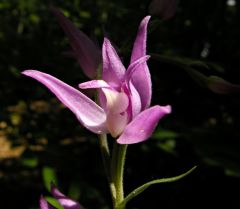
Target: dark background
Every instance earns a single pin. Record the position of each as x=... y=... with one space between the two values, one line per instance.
x=41 y=141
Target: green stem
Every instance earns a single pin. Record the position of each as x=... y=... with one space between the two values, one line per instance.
x=142 y=188
x=105 y=153
x=106 y=162
x=117 y=171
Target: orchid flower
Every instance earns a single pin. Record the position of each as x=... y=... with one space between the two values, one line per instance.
x=124 y=95
x=64 y=201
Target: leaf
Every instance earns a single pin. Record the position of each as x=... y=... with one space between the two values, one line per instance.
x=30 y=162
x=142 y=188
x=168 y=145
x=216 y=67
x=220 y=86
x=179 y=61
x=197 y=76
x=214 y=83
x=49 y=176
x=164 y=134
x=54 y=202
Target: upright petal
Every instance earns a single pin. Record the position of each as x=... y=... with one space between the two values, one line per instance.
x=139 y=48
x=66 y=202
x=88 y=112
x=142 y=79
x=143 y=125
x=44 y=204
x=136 y=65
x=113 y=69
x=134 y=102
x=85 y=51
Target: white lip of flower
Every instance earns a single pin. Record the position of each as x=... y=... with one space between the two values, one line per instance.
x=117 y=117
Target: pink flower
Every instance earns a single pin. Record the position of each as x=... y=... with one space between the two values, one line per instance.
x=124 y=95
x=64 y=201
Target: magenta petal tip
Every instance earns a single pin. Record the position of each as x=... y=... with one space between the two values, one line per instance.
x=167 y=109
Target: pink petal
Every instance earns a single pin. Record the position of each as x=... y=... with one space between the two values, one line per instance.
x=130 y=89
x=139 y=48
x=94 y=84
x=88 y=112
x=44 y=204
x=135 y=102
x=142 y=127
x=135 y=66
x=142 y=79
x=66 y=202
x=113 y=69
x=85 y=51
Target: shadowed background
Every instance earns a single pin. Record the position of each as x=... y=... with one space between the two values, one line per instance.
x=41 y=141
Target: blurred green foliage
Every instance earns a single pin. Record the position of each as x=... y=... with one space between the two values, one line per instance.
x=41 y=141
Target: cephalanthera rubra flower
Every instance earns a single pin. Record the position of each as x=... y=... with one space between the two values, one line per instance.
x=124 y=95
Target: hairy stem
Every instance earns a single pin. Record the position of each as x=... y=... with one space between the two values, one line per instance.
x=106 y=162
x=117 y=171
